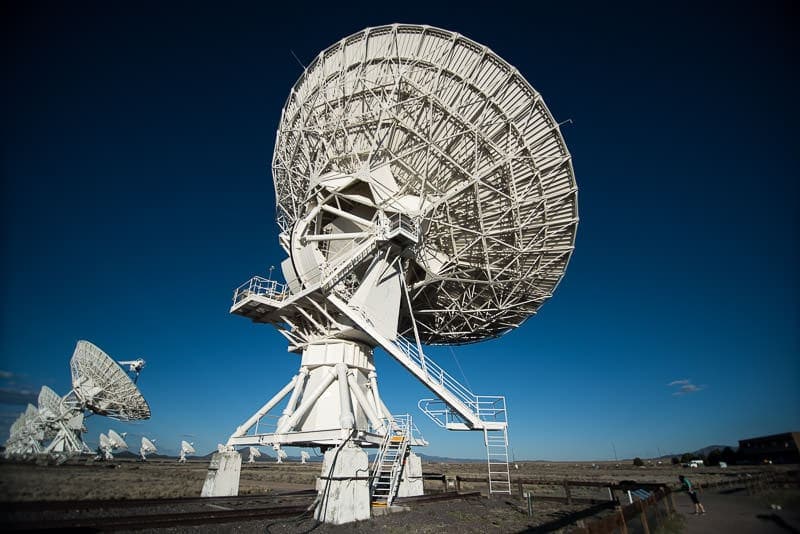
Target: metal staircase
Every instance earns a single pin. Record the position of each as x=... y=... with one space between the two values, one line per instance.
x=333 y=273
x=457 y=408
x=388 y=466
x=467 y=407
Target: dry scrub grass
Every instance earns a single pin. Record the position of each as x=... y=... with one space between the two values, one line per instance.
x=128 y=479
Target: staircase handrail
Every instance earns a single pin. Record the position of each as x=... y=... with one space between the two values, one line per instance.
x=436 y=373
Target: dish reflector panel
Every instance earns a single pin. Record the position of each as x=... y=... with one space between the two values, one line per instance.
x=187 y=447
x=428 y=123
x=104 y=386
x=147 y=445
x=49 y=402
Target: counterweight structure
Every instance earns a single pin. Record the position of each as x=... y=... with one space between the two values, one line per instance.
x=425 y=195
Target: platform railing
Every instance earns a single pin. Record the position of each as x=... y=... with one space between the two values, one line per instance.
x=261 y=287
x=437 y=374
x=488 y=408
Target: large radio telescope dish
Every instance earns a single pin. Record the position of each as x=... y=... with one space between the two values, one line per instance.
x=103 y=386
x=422 y=121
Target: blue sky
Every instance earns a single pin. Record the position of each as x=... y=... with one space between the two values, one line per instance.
x=137 y=195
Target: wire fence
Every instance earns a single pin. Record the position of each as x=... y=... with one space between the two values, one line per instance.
x=618 y=507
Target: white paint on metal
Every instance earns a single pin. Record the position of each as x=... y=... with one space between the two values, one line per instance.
x=147 y=447
x=425 y=196
x=222 y=478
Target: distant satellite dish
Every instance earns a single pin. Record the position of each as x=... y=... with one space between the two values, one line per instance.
x=116 y=440
x=25 y=434
x=304 y=457
x=101 y=386
x=110 y=443
x=186 y=448
x=281 y=455
x=254 y=453
x=148 y=447
x=105 y=448
x=49 y=412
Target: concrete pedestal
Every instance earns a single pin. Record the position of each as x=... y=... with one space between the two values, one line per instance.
x=222 y=479
x=344 y=486
x=411 y=480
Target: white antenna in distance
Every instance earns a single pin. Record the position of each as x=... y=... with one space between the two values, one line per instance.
x=148 y=447
x=254 y=453
x=186 y=448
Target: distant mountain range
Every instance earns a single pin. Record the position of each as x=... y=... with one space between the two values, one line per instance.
x=700 y=452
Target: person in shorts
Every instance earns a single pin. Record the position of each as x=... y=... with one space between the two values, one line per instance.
x=687 y=485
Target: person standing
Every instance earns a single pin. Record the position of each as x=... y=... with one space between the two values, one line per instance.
x=687 y=485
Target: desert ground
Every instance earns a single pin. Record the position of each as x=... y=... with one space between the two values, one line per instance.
x=166 y=478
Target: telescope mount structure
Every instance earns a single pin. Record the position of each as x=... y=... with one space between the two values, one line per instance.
x=425 y=196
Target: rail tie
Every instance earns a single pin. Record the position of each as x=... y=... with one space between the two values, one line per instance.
x=133 y=522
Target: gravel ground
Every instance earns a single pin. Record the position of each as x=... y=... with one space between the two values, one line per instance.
x=128 y=479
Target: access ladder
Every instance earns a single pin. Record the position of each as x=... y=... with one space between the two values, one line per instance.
x=497 y=460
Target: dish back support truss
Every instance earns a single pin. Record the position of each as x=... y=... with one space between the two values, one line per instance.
x=462 y=144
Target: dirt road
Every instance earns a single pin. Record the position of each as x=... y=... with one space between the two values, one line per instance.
x=733 y=511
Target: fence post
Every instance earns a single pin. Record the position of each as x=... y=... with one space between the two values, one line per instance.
x=521 y=492
x=671 y=501
x=458 y=483
x=643 y=514
x=567 y=492
x=659 y=515
x=530 y=504
x=622 y=526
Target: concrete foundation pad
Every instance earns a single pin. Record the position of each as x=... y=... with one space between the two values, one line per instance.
x=222 y=479
x=344 y=486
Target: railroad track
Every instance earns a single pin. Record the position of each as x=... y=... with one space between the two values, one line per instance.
x=93 y=504
x=133 y=522
x=148 y=520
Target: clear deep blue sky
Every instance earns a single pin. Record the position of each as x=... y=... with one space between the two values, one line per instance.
x=137 y=194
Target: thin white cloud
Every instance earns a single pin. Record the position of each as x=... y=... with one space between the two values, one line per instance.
x=684 y=387
x=679 y=382
x=6 y=374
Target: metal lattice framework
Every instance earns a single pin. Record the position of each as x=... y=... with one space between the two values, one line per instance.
x=473 y=155
x=103 y=387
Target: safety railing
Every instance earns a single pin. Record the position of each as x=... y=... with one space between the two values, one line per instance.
x=488 y=408
x=398 y=223
x=437 y=374
x=260 y=286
